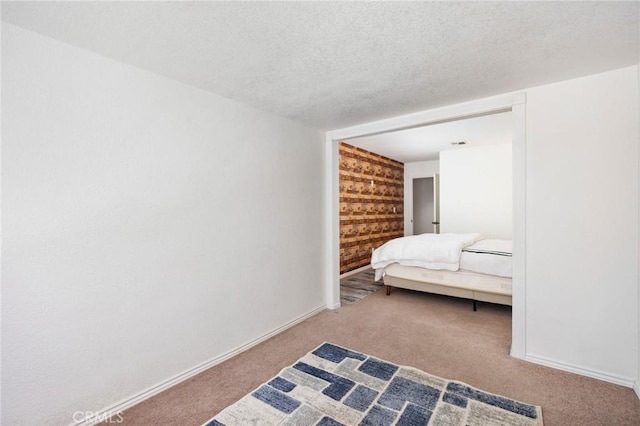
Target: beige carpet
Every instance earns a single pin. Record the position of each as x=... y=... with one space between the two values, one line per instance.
x=437 y=334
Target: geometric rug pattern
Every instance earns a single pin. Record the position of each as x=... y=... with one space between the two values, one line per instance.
x=333 y=386
x=358 y=286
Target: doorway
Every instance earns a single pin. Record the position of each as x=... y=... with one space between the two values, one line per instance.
x=516 y=103
x=426 y=205
x=423 y=205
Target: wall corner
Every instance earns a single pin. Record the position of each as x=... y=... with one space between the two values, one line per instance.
x=519 y=98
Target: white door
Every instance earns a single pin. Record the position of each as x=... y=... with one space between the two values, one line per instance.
x=436 y=203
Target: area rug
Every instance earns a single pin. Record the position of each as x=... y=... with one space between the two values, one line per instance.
x=358 y=287
x=333 y=386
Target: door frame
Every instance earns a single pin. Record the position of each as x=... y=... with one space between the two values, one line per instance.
x=516 y=103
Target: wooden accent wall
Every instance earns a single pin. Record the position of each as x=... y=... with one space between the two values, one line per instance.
x=367 y=216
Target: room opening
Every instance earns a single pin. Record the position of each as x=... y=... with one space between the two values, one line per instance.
x=456 y=179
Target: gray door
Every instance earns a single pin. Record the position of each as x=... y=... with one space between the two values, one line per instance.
x=436 y=203
x=423 y=205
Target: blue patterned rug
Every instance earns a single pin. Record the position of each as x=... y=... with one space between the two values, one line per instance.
x=336 y=386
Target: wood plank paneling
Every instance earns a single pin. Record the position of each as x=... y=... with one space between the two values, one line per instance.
x=370 y=215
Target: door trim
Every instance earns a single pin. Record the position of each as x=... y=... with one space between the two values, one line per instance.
x=516 y=103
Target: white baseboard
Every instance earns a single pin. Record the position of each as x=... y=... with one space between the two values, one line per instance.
x=636 y=387
x=514 y=353
x=606 y=377
x=335 y=306
x=113 y=410
x=355 y=271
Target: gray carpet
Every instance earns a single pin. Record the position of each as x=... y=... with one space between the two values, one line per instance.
x=358 y=286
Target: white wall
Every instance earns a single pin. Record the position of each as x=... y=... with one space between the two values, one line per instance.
x=476 y=191
x=420 y=169
x=582 y=223
x=148 y=227
x=637 y=384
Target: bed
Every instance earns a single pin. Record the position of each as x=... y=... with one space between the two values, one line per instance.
x=460 y=265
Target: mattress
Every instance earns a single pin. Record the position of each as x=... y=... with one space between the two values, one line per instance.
x=491 y=257
x=462 y=280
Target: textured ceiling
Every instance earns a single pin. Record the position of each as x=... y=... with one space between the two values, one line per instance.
x=331 y=65
x=425 y=143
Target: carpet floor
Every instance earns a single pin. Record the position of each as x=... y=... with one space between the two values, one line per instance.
x=436 y=334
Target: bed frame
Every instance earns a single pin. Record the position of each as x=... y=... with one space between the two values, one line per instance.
x=462 y=284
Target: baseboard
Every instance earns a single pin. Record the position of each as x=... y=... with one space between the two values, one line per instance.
x=355 y=271
x=516 y=353
x=335 y=306
x=606 y=377
x=636 y=387
x=115 y=409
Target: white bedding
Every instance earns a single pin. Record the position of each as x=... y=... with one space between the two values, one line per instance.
x=490 y=257
x=431 y=251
